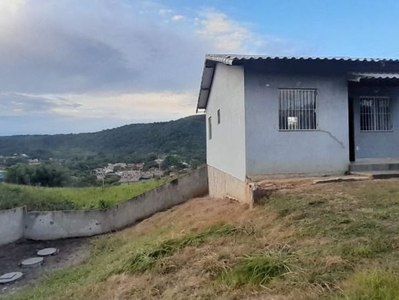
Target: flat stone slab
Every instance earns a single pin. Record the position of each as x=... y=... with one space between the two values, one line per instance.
x=32 y=262
x=10 y=277
x=342 y=179
x=47 y=252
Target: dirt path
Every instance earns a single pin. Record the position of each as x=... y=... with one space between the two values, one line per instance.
x=72 y=252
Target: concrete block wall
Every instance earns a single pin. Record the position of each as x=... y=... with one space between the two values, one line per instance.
x=11 y=225
x=52 y=225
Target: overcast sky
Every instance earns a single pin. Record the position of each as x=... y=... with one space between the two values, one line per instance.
x=86 y=65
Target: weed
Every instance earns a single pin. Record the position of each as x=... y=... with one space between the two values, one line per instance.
x=105 y=244
x=372 y=285
x=146 y=260
x=324 y=276
x=103 y=204
x=258 y=269
x=366 y=248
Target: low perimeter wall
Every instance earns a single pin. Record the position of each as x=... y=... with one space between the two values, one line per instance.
x=66 y=224
x=11 y=225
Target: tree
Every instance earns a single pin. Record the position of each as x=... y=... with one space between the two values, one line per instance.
x=169 y=162
x=43 y=175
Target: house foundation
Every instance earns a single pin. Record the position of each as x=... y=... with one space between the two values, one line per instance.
x=223 y=185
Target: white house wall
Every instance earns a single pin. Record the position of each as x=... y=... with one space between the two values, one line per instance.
x=272 y=152
x=226 y=149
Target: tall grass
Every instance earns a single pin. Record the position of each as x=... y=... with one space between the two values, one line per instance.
x=146 y=260
x=372 y=285
x=258 y=269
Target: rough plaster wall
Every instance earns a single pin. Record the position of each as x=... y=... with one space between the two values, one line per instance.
x=376 y=144
x=223 y=185
x=226 y=149
x=66 y=224
x=11 y=225
x=271 y=152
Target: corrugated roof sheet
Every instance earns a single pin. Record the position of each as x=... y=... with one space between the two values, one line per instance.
x=230 y=59
x=377 y=75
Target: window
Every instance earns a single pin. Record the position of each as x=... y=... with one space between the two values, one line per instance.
x=210 y=128
x=375 y=114
x=297 y=109
x=218 y=116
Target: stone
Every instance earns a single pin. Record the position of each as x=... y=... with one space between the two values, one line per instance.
x=32 y=262
x=10 y=277
x=47 y=252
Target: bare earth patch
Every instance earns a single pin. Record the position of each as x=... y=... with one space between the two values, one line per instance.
x=72 y=253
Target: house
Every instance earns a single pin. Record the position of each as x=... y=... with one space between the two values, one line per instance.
x=271 y=116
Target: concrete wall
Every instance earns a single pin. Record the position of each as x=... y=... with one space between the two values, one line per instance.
x=272 y=152
x=11 y=225
x=226 y=149
x=222 y=185
x=66 y=224
x=382 y=144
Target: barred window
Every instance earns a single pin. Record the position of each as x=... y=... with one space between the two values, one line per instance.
x=375 y=114
x=297 y=109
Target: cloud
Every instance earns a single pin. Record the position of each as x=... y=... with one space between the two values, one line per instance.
x=164 y=11
x=129 y=106
x=111 y=60
x=14 y=104
x=177 y=18
x=230 y=36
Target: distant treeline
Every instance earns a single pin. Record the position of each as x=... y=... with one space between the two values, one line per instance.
x=131 y=143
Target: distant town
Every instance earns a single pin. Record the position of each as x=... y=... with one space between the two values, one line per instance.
x=122 y=173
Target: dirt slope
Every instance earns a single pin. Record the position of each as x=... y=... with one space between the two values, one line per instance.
x=328 y=241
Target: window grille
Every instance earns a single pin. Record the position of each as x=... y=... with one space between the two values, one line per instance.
x=297 y=109
x=210 y=128
x=375 y=114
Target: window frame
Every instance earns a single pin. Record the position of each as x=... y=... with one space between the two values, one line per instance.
x=316 y=111
x=209 y=127
x=390 y=124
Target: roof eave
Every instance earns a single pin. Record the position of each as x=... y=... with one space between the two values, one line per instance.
x=206 y=84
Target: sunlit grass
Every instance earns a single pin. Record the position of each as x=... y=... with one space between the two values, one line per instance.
x=43 y=198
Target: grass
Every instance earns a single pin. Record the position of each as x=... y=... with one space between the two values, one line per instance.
x=334 y=241
x=42 y=198
x=146 y=260
x=257 y=269
x=372 y=285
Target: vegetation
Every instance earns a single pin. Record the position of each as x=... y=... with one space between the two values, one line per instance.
x=41 y=198
x=146 y=260
x=42 y=175
x=129 y=144
x=333 y=241
x=257 y=269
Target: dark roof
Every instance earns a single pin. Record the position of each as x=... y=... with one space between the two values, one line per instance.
x=371 y=75
x=231 y=59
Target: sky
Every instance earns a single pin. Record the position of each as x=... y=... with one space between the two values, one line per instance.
x=69 y=66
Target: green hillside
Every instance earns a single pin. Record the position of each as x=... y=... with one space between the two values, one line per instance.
x=184 y=137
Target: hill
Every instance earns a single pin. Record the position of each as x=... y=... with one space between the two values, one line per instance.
x=184 y=137
x=331 y=241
